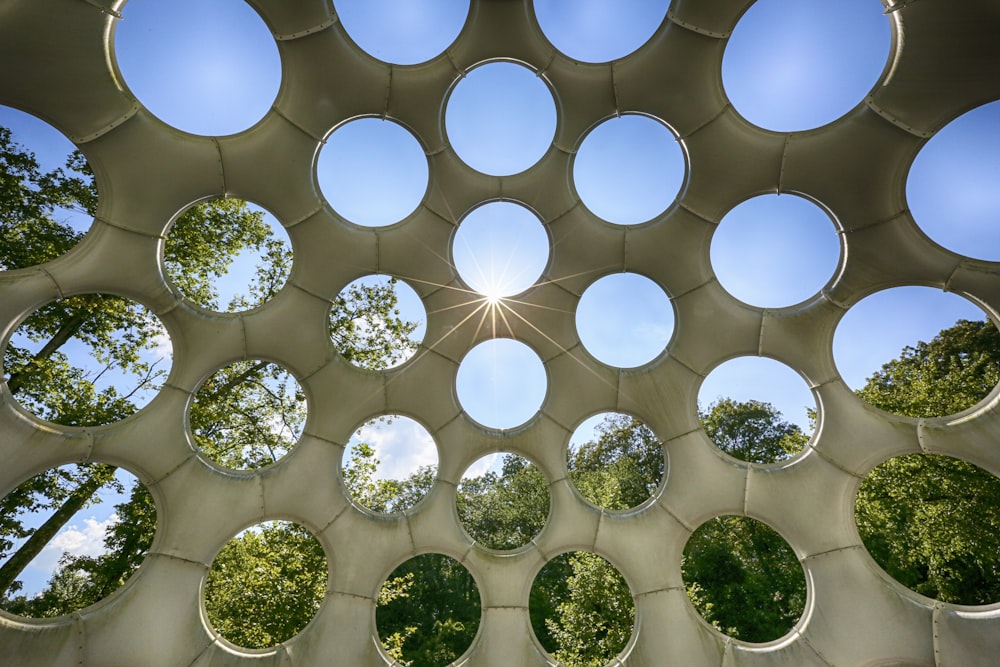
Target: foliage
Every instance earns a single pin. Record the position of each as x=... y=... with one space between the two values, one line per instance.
x=30 y=200
x=367 y=328
x=751 y=431
x=593 y=613
x=933 y=522
x=428 y=611
x=506 y=510
x=266 y=585
x=248 y=414
x=81 y=581
x=216 y=232
x=743 y=578
x=622 y=467
x=954 y=371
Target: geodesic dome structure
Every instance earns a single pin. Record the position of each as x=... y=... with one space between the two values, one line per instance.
x=59 y=65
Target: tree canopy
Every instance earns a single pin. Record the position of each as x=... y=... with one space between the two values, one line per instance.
x=246 y=416
x=932 y=522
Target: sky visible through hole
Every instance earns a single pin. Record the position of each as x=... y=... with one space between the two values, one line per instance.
x=765 y=78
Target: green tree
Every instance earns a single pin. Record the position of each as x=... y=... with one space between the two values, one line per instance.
x=505 y=510
x=952 y=372
x=622 y=467
x=266 y=585
x=590 y=618
x=428 y=611
x=933 y=522
x=251 y=414
x=743 y=578
x=751 y=431
x=113 y=331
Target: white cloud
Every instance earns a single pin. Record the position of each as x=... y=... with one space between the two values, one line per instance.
x=401 y=446
x=163 y=348
x=85 y=540
x=483 y=465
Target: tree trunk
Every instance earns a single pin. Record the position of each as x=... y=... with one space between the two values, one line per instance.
x=66 y=331
x=12 y=569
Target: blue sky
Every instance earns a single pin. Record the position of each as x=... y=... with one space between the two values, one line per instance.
x=789 y=65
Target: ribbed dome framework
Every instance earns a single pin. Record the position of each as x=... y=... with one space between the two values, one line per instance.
x=57 y=63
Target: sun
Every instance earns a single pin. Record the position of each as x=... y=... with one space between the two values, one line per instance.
x=494 y=294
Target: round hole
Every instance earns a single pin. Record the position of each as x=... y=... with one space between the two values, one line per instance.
x=624 y=320
x=503 y=508
x=205 y=68
x=581 y=609
x=932 y=523
x=775 y=250
x=757 y=409
x=500 y=249
x=402 y=33
x=49 y=193
x=926 y=361
x=793 y=65
x=629 y=169
x=615 y=461
x=227 y=255
x=501 y=383
x=500 y=118
x=951 y=187
x=377 y=322
x=266 y=584
x=390 y=464
x=428 y=611
x=103 y=520
x=744 y=578
x=598 y=31
x=247 y=415
x=87 y=360
x=373 y=172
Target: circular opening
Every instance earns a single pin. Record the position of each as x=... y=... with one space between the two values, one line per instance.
x=71 y=536
x=624 y=320
x=793 y=65
x=247 y=415
x=390 y=463
x=615 y=461
x=500 y=118
x=935 y=354
x=49 y=193
x=598 y=31
x=373 y=172
x=932 y=523
x=744 y=578
x=758 y=409
x=951 y=187
x=504 y=507
x=581 y=609
x=87 y=360
x=500 y=249
x=428 y=611
x=207 y=68
x=404 y=33
x=629 y=169
x=775 y=250
x=266 y=584
x=227 y=251
x=377 y=322
x=501 y=383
